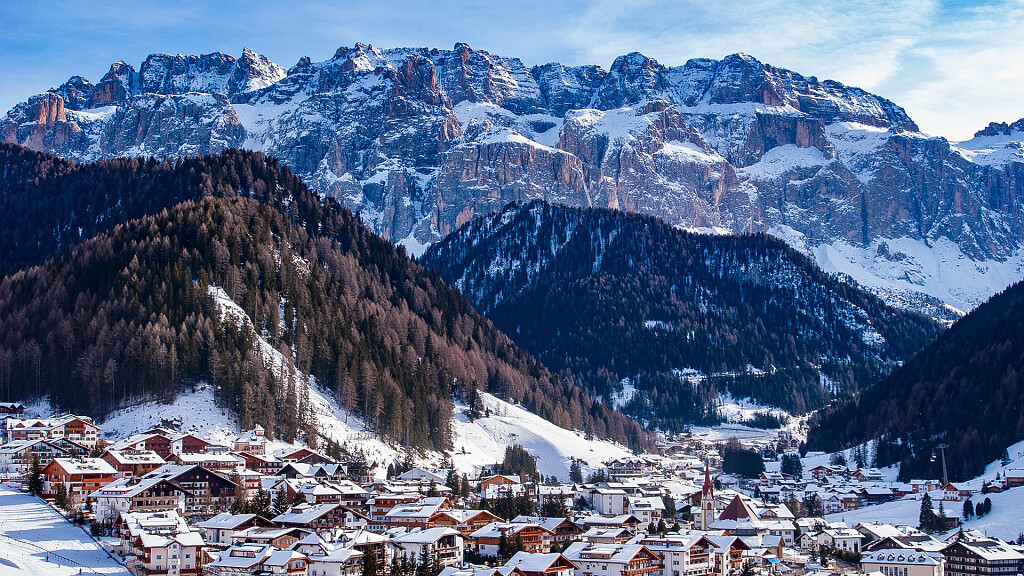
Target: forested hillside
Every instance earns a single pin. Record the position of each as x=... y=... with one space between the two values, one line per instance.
x=126 y=314
x=603 y=295
x=965 y=390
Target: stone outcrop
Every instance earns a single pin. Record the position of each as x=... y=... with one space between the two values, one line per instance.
x=420 y=140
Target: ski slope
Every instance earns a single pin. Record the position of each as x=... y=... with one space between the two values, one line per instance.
x=37 y=541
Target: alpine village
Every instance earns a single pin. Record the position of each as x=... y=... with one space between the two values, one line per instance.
x=437 y=312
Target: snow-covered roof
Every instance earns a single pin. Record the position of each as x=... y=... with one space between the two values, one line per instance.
x=605 y=553
x=495 y=529
x=304 y=513
x=132 y=457
x=226 y=520
x=85 y=466
x=899 y=556
x=129 y=487
x=243 y=556
x=535 y=562
x=425 y=536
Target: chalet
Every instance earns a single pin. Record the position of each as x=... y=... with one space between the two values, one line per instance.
x=902 y=562
x=728 y=554
x=329 y=558
x=416 y=514
x=252 y=441
x=627 y=521
x=846 y=539
x=465 y=521
x=982 y=557
x=823 y=471
x=682 y=555
x=286 y=563
x=868 y=475
x=187 y=444
x=79 y=429
x=138 y=495
x=532 y=537
x=1014 y=477
x=180 y=554
x=280 y=538
x=298 y=455
x=445 y=545
x=241 y=560
x=564 y=493
x=221 y=528
x=607 y=535
x=956 y=492
x=647 y=509
x=157 y=442
x=224 y=463
x=268 y=465
x=318 y=517
x=382 y=503
x=563 y=530
x=160 y=543
x=612 y=559
x=16 y=457
x=11 y=409
x=419 y=474
x=767 y=479
x=129 y=462
x=918 y=486
x=209 y=492
x=553 y=564
x=878 y=494
x=79 y=476
x=500 y=486
x=131 y=524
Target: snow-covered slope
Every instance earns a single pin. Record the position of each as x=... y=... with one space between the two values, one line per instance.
x=1003 y=522
x=476 y=444
x=37 y=541
x=484 y=440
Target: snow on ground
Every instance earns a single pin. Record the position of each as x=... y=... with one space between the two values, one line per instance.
x=476 y=444
x=1003 y=522
x=995 y=151
x=736 y=411
x=194 y=412
x=31 y=532
x=483 y=441
x=906 y=266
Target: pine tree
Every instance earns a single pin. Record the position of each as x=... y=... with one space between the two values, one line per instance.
x=35 y=477
x=968 y=510
x=280 y=501
x=369 y=562
x=504 y=547
x=575 y=472
x=928 y=519
x=60 y=499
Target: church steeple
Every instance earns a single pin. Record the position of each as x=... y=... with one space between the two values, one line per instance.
x=707 y=501
x=708 y=491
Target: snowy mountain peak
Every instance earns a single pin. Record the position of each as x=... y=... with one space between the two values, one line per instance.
x=420 y=140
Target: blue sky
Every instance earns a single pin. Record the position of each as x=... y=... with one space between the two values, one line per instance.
x=954 y=65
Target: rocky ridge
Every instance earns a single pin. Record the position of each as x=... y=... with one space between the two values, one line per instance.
x=420 y=140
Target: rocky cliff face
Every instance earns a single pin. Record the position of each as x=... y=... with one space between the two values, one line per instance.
x=421 y=140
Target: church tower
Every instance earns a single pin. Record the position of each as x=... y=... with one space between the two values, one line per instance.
x=707 y=501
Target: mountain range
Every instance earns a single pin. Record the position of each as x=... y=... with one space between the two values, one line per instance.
x=418 y=141
x=665 y=322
